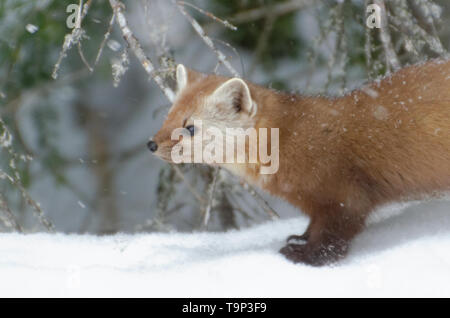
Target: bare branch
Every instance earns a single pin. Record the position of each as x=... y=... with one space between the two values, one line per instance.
x=83 y=58
x=385 y=37
x=262 y=41
x=73 y=38
x=276 y=10
x=406 y=23
x=137 y=49
x=338 y=57
x=235 y=52
x=106 y=37
x=260 y=200
x=190 y=187
x=14 y=179
x=198 y=28
x=211 y=191
x=368 y=47
x=210 y=15
x=69 y=40
x=7 y=216
x=79 y=16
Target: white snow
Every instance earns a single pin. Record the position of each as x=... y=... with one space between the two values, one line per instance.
x=114 y=45
x=407 y=254
x=31 y=28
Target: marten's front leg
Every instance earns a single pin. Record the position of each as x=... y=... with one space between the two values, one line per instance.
x=329 y=235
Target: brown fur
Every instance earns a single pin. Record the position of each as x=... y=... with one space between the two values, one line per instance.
x=342 y=157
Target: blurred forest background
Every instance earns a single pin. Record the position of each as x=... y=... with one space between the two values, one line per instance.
x=78 y=100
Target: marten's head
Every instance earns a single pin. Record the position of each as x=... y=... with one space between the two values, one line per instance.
x=204 y=104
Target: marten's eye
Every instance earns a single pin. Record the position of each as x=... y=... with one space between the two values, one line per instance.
x=191 y=129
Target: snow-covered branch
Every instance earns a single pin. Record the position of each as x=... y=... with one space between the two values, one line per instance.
x=74 y=38
x=385 y=37
x=135 y=46
x=201 y=32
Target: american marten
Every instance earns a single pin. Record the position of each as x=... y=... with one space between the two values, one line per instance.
x=340 y=157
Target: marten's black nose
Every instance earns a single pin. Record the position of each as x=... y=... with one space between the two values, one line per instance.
x=152 y=146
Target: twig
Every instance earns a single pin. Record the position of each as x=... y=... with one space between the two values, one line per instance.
x=262 y=40
x=198 y=28
x=36 y=207
x=188 y=185
x=260 y=200
x=340 y=47
x=405 y=21
x=134 y=45
x=210 y=15
x=212 y=189
x=106 y=37
x=165 y=191
x=85 y=10
x=69 y=40
x=80 y=11
x=385 y=37
x=368 y=47
x=72 y=38
x=313 y=52
x=235 y=52
x=9 y=219
x=335 y=13
x=422 y=10
x=6 y=144
x=277 y=10
x=80 y=52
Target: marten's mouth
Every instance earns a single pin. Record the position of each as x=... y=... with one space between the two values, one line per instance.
x=163 y=156
x=164 y=153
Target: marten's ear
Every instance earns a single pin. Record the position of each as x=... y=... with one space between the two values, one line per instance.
x=235 y=94
x=182 y=77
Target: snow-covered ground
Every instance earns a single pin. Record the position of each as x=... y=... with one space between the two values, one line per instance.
x=407 y=254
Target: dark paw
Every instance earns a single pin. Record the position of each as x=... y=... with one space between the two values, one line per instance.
x=311 y=255
x=294 y=252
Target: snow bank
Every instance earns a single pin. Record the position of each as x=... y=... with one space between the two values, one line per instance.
x=405 y=255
